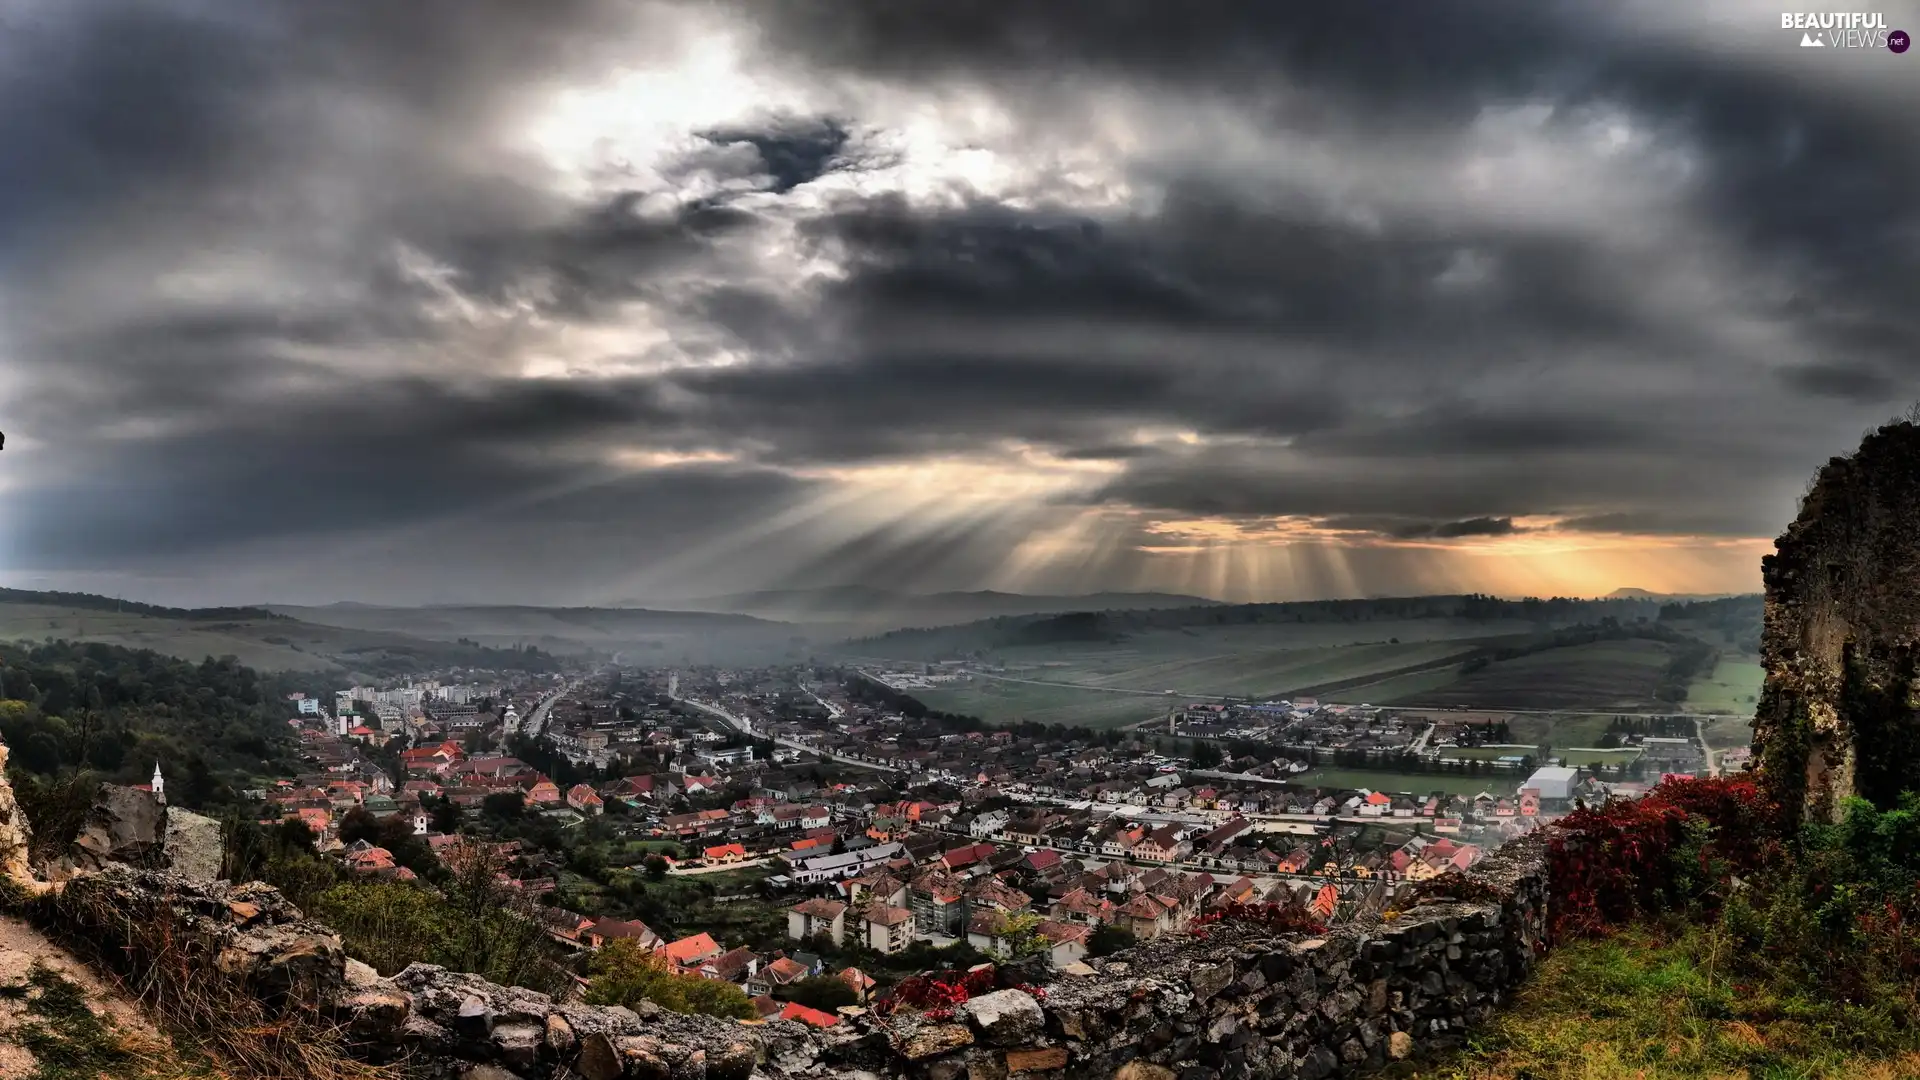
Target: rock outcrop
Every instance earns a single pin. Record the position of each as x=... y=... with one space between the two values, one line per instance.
x=15 y=836
x=124 y=827
x=1840 y=712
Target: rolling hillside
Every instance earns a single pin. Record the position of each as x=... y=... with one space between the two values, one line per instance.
x=872 y=610
x=258 y=638
x=642 y=636
x=1118 y=667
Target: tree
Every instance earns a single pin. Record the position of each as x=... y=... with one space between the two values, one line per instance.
x=823 y=992
x=1206 y=754
x=444 y=814
x=624 y=974
x=1109 y=939
x=656 y=867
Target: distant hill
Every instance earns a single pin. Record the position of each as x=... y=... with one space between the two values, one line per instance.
x=1350 y=618
x=1643 y=594
x=95 y=602
x=641 y=635
x=259 y=638
x=887 y=609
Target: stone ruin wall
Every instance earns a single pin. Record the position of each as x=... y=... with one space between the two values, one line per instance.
x=1234 y=1003
x=1838 y=713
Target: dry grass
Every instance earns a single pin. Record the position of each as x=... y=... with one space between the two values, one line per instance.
x=1645 y=1006
x=156 y=958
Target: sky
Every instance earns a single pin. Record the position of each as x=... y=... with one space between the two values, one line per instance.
x=608 y=301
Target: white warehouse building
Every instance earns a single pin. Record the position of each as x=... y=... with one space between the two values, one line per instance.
x=1553 y=782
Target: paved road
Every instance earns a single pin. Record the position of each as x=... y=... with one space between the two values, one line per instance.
x=536 y=721
x=1713 y=758
x=834 y=712
x=745 y=728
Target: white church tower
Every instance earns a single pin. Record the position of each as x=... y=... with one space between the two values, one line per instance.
x=159 y=785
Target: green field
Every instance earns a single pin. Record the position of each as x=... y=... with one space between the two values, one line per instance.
x=1732 y=687
x=1488 y=753
x=1602 y=675
x=1083 y=684
x=1570 y=729
x=1593 y=756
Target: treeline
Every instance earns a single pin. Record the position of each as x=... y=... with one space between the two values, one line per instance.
x=1114 y=625
x=870 y=691
x=71 y=705
x=1740 y=618
x=92 y=602
x=392 y=659
x=1572 y=636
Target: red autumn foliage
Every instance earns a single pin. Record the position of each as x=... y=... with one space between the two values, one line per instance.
x=1277 y=918
x=938 y=991
x=1454 y=885
x=1610 y=863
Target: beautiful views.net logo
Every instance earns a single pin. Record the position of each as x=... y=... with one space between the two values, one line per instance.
x=1845 y=30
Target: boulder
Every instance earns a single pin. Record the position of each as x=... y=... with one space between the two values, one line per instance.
x=1005 y=1016
x=191 y=845
x=123 y=826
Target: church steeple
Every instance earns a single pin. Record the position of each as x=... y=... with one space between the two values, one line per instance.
x=159 y=785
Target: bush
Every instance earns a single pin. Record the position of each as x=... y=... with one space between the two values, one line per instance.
x=1674 y=850
x=475 y=924
x=625 y=974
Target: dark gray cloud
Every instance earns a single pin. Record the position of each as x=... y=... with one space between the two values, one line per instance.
x=280 y=274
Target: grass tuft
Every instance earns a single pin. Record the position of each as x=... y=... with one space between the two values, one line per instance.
x=1651 y=1004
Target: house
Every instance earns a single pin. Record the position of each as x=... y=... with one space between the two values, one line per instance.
x=585 y=799
x=961 y=858
x=1066 y=941
x=542 y=792
x=734 y=966
x=691 y=952
x=1161 y=845
x=781 y=972
x=887 y=929
x=569 y=928
x=724 y=855
x=814 y=1017
x=1376 y=804
x=988 y=825
x=604 y=930
x=817 y=916
x=857 y=981
x=1147 y=916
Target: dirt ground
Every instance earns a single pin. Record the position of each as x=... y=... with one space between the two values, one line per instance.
x=21 y=946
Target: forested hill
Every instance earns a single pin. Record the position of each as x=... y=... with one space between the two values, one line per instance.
x=69 y=708
x=92 y=602
x=1115 y=626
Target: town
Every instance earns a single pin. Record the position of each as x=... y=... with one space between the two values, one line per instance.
x=812 y=835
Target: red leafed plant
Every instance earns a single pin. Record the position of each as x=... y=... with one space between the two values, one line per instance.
x=1611 y=862
x=1454 y=885
x=938 y=990
x=1277 y=918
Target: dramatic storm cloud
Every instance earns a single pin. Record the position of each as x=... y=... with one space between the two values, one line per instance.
x=589 y=301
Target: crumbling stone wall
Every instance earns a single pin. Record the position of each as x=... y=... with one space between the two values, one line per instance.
x=1840 y=711
x=1233 y=1003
